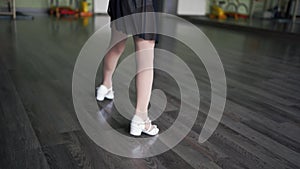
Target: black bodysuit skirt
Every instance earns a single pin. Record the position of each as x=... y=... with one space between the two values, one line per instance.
x=143 y=24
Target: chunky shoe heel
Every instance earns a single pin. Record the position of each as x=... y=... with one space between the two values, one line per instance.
x=135 y=131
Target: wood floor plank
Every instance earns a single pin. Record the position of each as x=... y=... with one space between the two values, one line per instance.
x=241 y=113
x=26 y=158
x=14 y=118
x=80 y=152
x=259 y=138
x=20 y=147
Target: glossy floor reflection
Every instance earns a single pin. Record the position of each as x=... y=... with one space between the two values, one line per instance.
x=270 y=25
x=39 y=127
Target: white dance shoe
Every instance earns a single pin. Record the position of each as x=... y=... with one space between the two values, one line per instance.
x=103 y=92
x=138 y=126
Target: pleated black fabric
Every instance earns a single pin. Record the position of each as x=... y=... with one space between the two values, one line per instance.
x=121 y=12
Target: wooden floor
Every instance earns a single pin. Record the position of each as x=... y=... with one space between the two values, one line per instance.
x=260 y=127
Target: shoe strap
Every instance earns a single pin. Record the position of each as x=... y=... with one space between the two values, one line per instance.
x=151 y=126
x=137 y=120
x=148 y=121
x=107 y=89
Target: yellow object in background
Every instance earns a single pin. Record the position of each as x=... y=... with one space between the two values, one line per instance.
x=85 y=10
x=85 y=6
x=217 y=12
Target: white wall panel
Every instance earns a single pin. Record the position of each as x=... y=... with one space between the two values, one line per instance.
x=100 y=6
x=191 y=7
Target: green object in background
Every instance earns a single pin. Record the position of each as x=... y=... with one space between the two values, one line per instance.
x=43 y=4
x=32 y=3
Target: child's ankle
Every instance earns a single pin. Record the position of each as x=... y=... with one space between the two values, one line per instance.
x=143 y=116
